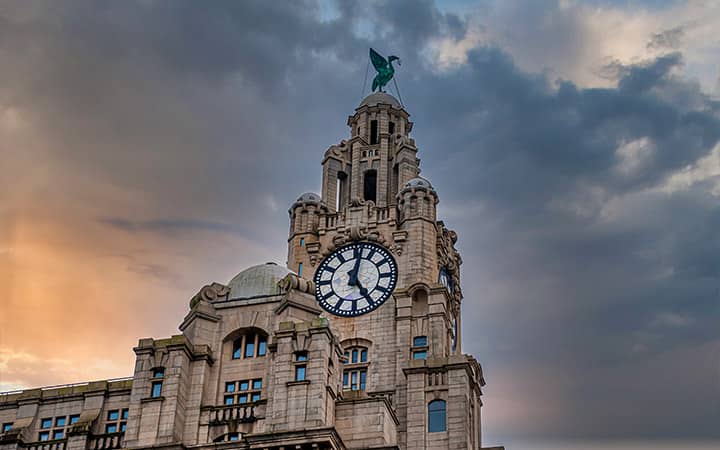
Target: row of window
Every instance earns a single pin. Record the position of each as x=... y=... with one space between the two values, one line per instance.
x=242 y=391
x=249 y=346
x=55 y=427
x=116 y=420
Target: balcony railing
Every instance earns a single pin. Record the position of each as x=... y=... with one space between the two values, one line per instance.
x=232 y=413
x=106 y=441
x=57 y=444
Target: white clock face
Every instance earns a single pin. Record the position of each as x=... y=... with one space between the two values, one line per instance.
x=355 y=279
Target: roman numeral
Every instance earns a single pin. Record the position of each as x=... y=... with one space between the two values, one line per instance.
x=381 y=289
x=324 y=282
x=385 y=275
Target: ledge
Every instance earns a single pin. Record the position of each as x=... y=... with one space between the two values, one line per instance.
x=298 y=383
x=152 y=399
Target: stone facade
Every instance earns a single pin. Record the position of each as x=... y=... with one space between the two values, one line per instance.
x=259 y=365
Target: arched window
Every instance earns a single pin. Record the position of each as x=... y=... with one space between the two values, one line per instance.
x=437 y=413
x=249 y=345
x=228 y=437
x=370 y=185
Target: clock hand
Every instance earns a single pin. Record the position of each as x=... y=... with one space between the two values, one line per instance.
x=363 y=290
x=352 y=281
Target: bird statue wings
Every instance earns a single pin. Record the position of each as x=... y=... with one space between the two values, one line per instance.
x=384 y=68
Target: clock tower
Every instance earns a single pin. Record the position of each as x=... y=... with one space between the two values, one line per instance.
x=387 y=276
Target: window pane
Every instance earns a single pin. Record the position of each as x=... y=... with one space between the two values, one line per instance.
x=46 y=423
x=345 y=379
x=7 y=426
x=230 y=387
x=420 y=355
x=237 y=349
x=123 y=426
x=156 y=389
x=347 y=357
x=159 y=372
x=244 y=385
x=111 y=428
x=299 y=373
x=353 y=385
x=45 y=436
x=363 y=375
x=229 y=399
x=255 y=396
x=58 y=434
x=249 y=349
x=436 y=416
x=242 y=398
x=301 y=357
x=262 y=346
x=302 y=242
x=114 y=414
x=233 y=436
x=125 y=413
x=363 y=356
x=300 y=269
x=419 y=341
x=74 y=419
x=355 y=356
x=257 y=384
x=60 y=421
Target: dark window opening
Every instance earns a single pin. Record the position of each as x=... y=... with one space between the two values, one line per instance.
x=370 y=186
x=341 y=188
x=373 y=132
x=391 y=128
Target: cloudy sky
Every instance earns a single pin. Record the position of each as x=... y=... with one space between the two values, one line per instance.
x=150 y=147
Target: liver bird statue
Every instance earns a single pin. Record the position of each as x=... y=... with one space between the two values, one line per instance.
x=384 y=67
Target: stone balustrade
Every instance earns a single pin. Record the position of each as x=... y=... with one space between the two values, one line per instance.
x=232 y=413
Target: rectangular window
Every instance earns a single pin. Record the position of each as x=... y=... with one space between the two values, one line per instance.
x=354 y=356
x=123 y=426
x=301 y=356
x=262 y=346
x=363 y=355
x=373 y=132
x=74 y=419
x=244 y=385
x=44 y=436
x=420 y=341
x=125 y=413
x=229 y=399
x=391 y=128
x=299 y=373
x=46 y=423
x=421 y=354
x=158 y=372
x=354 y=380
x=302 y=242
x=156 y=389
x=363 y=375
x=242 y=398
x=230 y=387
x=113 y=414
x=249 y=349
x=345 y=379
x=7 y=426
x=58 y=434
x=257 y=384
x=300 y=269
x=111 y=428
x=347 y=357
x=60 y=421
x=255 y=396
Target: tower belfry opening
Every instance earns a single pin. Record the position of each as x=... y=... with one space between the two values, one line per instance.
x=370 y=186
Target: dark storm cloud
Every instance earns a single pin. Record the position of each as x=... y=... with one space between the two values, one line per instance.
x=579 y=271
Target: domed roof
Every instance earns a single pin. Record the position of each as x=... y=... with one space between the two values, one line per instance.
x=418 y=182
x=257 y=281
x=309 y=197
x=378 y=98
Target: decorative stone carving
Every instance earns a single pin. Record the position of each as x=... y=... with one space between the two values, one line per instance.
x=449 y=257
x=292 y=281
x=210 y=293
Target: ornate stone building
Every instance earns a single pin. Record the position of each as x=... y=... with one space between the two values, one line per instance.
x=355 y=345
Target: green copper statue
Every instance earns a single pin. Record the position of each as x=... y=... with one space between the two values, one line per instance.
x=385 y=70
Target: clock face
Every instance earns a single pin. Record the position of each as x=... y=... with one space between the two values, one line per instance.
x=355 y=279
x=445 y=279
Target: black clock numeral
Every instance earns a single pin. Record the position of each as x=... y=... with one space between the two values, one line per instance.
x=325 y=282
x=385 y=275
